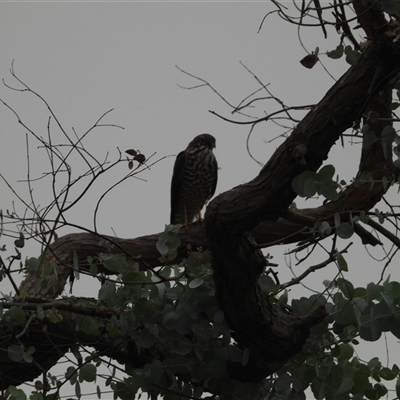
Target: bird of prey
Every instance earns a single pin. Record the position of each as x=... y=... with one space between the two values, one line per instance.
x=194 y=179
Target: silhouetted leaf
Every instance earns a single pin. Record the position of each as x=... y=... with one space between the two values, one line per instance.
x=309 y=61
x=196 y=283
x=345 y=230
x=140 y=158
x=131 y=152
x=352 y=55
x=20 y=243
x=107 y=291
x=337 y=53
x=87 y=373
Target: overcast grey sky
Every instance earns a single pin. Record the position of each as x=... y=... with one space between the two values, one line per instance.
x=87 y=58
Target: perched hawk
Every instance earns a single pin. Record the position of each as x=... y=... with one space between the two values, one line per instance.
x=194 y=179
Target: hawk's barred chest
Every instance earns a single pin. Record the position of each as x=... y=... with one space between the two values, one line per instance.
x=194 y=179
x=198 y=175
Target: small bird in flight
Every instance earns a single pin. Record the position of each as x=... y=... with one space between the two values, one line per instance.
x=194 y=179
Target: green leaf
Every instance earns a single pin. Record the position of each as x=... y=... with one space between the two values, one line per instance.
x=305 y=184
x=78 y=392
x=381 y=217
x=365 y=328
x=283 y=298
x=113 y=263
x=39 y=385
x=28 y=354
x=154 y=372
x=373 y=291
x=325 y=174
x=329 y=192
x=394 y=106
x=71 y=374
x=88 y=325
x=373 y=117
x=134 y=277
x=17 y=394
x=93 y=270
x=87 y=373
x=162 y=246
x=396 y=163
x=168 y=242
x=352 y=55
x=327 y=283
x=170 y=320
x=54 y=316
x=107 y=291
x=337 y=53
x=267 y=284
x=346 y=351
x=16 y=352
x=388 y=134
x=345 y=230
x=310 y=187
x=380 y=390
x=17 y=315
x=324 y=229
x=387 y=374
x=36 y=396
x=196 y=283
x=346 y=287
x=345 y=386
x=341 y=262
x=40 y=314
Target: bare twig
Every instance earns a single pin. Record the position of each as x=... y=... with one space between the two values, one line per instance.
x=332 y=258
x=389 y=235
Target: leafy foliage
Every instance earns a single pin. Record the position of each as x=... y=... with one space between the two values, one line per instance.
x=177 y=312
x=169 y=314
x=309 y=183
x=328 y=364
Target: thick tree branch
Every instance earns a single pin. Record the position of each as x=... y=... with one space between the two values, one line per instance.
x=237 y=262
x=371 y=19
